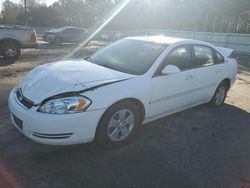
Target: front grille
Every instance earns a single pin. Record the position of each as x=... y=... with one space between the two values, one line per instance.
x=18 y=122
x=52 y=136
x=24 y=101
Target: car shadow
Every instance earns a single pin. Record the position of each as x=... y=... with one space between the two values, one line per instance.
x=5 y=62
x=54 y=46
x=179 y=150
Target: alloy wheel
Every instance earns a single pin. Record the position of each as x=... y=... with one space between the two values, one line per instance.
x=121 y=125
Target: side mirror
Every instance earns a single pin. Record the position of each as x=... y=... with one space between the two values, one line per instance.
x=171 y=69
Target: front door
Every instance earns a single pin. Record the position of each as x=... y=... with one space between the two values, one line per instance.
x=173 y=92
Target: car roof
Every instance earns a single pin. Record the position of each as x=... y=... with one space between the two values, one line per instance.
x=166 y=40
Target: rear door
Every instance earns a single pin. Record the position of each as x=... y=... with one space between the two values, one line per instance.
x=207 y=68
x=70 y=35
x=78 y=35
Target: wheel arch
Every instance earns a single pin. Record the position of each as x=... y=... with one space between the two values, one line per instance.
x=137 y=102
x=228 y=82
x=10 y=40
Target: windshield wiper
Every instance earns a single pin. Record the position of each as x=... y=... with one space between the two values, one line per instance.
x=88 y=58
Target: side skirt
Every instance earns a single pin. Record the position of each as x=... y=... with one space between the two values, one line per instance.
x=150 y=119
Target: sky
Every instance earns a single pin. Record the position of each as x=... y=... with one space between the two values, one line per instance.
x=48 y=2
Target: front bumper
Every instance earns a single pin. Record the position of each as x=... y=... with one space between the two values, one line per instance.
x=54 y=129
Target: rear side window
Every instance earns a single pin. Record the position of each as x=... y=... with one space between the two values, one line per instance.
x=69 y=30
x=77 y=31
x=219 y=58
x=180 y=57
x=203 y=56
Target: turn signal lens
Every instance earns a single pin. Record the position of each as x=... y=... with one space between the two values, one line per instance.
x=81 y=105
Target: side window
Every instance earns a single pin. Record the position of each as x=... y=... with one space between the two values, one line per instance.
x=76 y=31
x=67 y=31
x=180 y=57
x=203 y=56
x=219 y=58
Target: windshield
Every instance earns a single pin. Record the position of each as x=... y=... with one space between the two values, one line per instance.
x=129 y=56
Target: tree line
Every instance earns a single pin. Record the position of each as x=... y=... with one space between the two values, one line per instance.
x=62 y=12
x=138 y=14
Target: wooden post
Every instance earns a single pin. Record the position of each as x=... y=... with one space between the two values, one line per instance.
x=25 y=13
x=214 y=23
x=205 y=24
x=222 y=24
x=228 y=24
x=197 y=20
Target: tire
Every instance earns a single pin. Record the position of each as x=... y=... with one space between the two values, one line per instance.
x=57 y=41
x=10 y=50
x=219 y=95
x=113 y=130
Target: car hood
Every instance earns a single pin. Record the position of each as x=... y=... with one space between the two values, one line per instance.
x=66 y=76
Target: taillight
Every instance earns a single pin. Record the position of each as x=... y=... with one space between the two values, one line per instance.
x=238 y=64
x=237 y=61
x=33 y=36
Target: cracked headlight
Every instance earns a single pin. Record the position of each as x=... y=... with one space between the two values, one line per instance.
x=67 y=105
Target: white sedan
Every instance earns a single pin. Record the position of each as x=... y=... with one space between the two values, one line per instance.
x=109 y=95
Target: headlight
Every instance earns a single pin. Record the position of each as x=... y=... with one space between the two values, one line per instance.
x=67 y=105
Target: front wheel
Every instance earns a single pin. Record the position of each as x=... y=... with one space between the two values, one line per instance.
x=118 y=125
x=219 y=95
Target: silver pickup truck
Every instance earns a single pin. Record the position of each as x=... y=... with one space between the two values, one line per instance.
x=13 y=38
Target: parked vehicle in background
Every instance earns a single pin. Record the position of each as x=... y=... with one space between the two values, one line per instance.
x=65 y=35
x=13 y=38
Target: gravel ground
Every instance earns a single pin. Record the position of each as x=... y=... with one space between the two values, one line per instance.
x=200 y=147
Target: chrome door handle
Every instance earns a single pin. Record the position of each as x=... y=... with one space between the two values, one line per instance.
x=189 y=77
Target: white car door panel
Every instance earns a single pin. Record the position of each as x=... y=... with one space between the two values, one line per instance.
x=206 y=81
x=171 y=92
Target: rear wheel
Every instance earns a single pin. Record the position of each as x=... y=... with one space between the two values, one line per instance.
x=219 y=95
x=10 y=50
x=118 y=125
